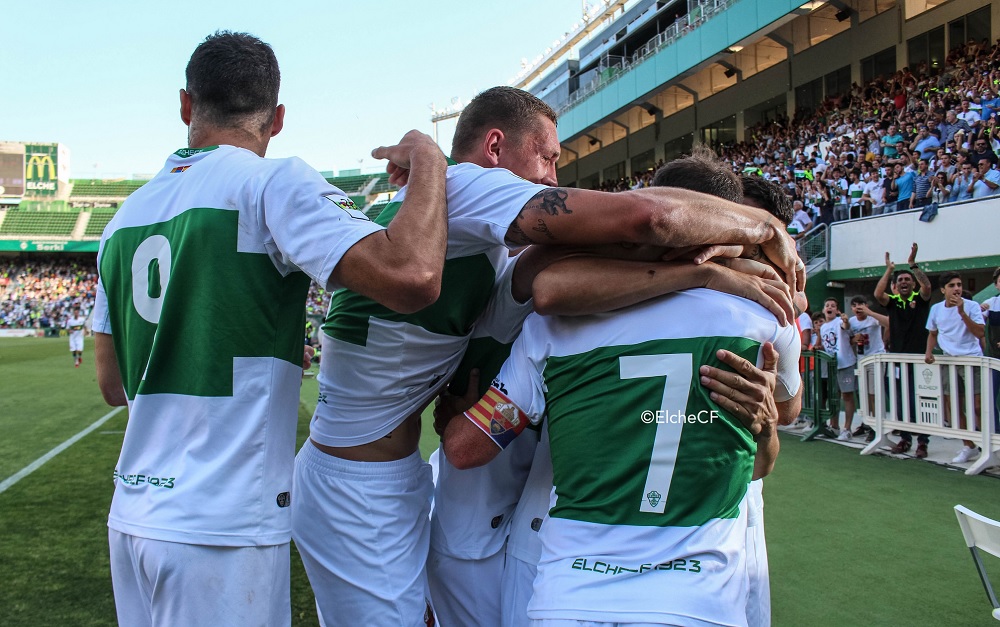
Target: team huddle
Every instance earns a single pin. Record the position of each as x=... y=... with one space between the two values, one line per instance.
x=608 y=370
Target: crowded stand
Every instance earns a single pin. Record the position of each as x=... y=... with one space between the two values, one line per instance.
x=916 y=138
x=41 y=292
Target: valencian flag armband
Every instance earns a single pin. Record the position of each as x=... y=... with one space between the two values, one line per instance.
x=498 y=417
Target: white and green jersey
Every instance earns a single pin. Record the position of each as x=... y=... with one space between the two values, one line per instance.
x=380 y=366
x=648 y=520
x=203 y=278
x=75 y=327
x=473 y=508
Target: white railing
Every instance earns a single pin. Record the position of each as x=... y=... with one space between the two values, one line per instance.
x=911 y=395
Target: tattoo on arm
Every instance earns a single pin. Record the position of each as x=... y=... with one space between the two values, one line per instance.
x=552 y=201
x=516 y=235
x=542 y=228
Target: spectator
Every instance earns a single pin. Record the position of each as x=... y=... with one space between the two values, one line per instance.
x=866 y=338
x=837 y=342
x=953 y=124
x=961 y=188
x=908 y=307
x=981 y=150
x=921 y=185
x=956 y=325
x=985 y=180
x=903 y=183
x=925 y=144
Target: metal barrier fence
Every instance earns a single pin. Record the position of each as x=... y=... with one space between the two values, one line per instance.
x=820 y=395
x=928 y=405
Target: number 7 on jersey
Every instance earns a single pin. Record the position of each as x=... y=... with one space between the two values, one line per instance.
x=677 y=387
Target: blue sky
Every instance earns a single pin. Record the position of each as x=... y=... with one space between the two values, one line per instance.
x=102 y=77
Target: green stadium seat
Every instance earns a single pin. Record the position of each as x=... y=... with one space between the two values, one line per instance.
x=383 y=184
x=23 y=222
x=376 y=208
x=350 y=184
x=89 y=188
x=99 y=219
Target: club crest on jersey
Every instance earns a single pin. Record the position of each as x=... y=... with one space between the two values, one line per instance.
x=653 y=497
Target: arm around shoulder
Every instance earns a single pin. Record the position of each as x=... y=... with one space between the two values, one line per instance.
x=401 y=266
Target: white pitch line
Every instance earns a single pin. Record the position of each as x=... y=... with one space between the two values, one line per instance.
x=35 y=465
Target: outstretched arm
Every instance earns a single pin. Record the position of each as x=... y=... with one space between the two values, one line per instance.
x=883 y=284
x=922 y=280
x=661 y=216
x=583 y=285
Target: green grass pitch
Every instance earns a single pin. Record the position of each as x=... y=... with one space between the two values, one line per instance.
x=852 y=540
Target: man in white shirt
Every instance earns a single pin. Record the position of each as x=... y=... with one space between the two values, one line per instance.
x=956 y=325
x=200 y=523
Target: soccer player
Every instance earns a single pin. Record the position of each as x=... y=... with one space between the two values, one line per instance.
x=627 y=540
x=74 y=324
x=700 y=171
x=379 y=370
x=473 y=507
x=199 y=526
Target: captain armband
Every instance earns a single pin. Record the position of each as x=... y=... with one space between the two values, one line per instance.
x=498 y=417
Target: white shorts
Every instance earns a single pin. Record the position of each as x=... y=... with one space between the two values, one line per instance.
x=759 y=597
x=363 y=530
x=515 y=591
x=76 y=344
x=167 y=583
x=457 y=592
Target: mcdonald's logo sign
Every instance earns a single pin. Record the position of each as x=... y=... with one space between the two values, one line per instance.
x=41 y=162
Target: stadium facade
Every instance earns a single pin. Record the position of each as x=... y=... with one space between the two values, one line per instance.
x=664 y=74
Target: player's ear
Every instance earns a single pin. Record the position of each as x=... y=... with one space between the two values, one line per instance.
x=185 y=107
x=492 y=145
x=279 y=120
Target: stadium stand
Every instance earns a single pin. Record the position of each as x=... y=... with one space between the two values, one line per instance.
x=89 y=188
x=350 y=184
x=99 y=219
x=28 y=222
x=383 y=185
x=376 y=208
